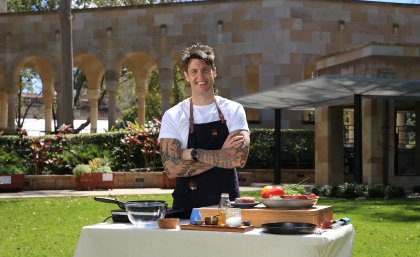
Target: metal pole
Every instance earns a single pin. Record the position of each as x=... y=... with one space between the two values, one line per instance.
x=385 y=138
x=358 y=168
x=277 y=146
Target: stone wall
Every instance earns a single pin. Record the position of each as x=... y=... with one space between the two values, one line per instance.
x=156 y=179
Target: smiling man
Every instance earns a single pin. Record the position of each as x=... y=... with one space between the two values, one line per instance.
x=203 y=138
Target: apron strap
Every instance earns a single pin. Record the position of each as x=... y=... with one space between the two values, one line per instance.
x=191 y=117
x=221 y=116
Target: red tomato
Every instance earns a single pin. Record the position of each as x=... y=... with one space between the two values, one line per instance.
x=278 y=190
x=312 y=196
x=265 y=189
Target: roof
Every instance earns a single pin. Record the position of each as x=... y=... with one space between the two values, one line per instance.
x=329 y=90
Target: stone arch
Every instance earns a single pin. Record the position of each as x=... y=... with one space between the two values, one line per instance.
x=94 y=71
x=43 y=66
x=141 y=64
x=93 y=68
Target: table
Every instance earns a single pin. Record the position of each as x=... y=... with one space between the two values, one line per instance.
x=113 y=239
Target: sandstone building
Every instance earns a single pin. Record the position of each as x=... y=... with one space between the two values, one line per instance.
x=260 y=44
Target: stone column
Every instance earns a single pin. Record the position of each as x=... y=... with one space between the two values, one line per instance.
x=111 y=82
x=166 y=83
x=165 y=87
x=329 y=163
x=141 y=92
x=372 y=143
x=48 y=105
x=401 y=127
x=141 y=108
x=351 y=126
x=3 y=109
x=93 y=95
x=11 y=112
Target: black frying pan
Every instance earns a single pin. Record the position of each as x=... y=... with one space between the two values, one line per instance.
x=122 y=204
x=121 y=215
x=288 y=228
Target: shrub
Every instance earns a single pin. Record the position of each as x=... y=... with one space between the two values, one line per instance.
x=10 y=163
x=352 y=190
x=316 y=190
x=103 y=169
x=376 y=191
x=96 y=165
x=416 y=189
x=334 y=191
x=394 y=192
x=81 y=168
x=328 y=190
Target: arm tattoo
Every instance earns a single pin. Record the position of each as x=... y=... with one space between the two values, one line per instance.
x=174 y=165
x=225 y=158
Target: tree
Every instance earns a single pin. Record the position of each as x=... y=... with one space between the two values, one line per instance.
x=32 y=5
x=53 y=5
x=28 y=87
x=178 y=92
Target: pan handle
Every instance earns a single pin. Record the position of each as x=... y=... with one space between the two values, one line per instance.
x=110 y=200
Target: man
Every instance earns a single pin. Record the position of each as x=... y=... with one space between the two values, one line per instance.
x=203 y=138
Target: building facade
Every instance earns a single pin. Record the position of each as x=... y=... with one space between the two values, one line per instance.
x=259 y=44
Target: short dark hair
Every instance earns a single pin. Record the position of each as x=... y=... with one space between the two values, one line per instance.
x=197 y=51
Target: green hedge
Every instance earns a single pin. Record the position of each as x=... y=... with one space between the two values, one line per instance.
x=354 y=190
x=297 y=149
x=58 y=154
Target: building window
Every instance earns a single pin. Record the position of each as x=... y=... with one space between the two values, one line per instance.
x=405 y=129
x=405 y=140
x=308 y=117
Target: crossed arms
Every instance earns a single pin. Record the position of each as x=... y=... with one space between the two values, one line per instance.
x=178 y=163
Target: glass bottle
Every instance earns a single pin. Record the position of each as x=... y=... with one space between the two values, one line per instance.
x=224 y=205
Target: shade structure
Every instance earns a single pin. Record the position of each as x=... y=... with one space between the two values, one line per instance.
x=330 y=90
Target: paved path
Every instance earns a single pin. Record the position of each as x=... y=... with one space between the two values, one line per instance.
x=113 y=192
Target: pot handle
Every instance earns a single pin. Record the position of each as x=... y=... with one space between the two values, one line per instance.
x=110 y=200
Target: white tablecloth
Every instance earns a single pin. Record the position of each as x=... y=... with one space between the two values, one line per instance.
x=114 y=240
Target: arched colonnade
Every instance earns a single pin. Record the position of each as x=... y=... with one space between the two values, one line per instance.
x=96 y=70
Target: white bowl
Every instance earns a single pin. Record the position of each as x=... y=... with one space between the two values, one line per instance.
x=289 y=203
x=145 y=213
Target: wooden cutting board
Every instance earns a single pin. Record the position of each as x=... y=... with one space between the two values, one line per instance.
x=241 y=229
x=260 y=214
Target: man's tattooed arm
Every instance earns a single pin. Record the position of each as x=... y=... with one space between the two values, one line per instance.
x=174 y=165
x=233 y=154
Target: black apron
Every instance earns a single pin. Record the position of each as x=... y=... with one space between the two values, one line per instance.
x=205 y=189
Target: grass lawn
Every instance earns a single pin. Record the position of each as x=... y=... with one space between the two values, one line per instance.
x=51 y=226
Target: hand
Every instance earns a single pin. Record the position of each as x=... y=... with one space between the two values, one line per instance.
x=234 y=140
